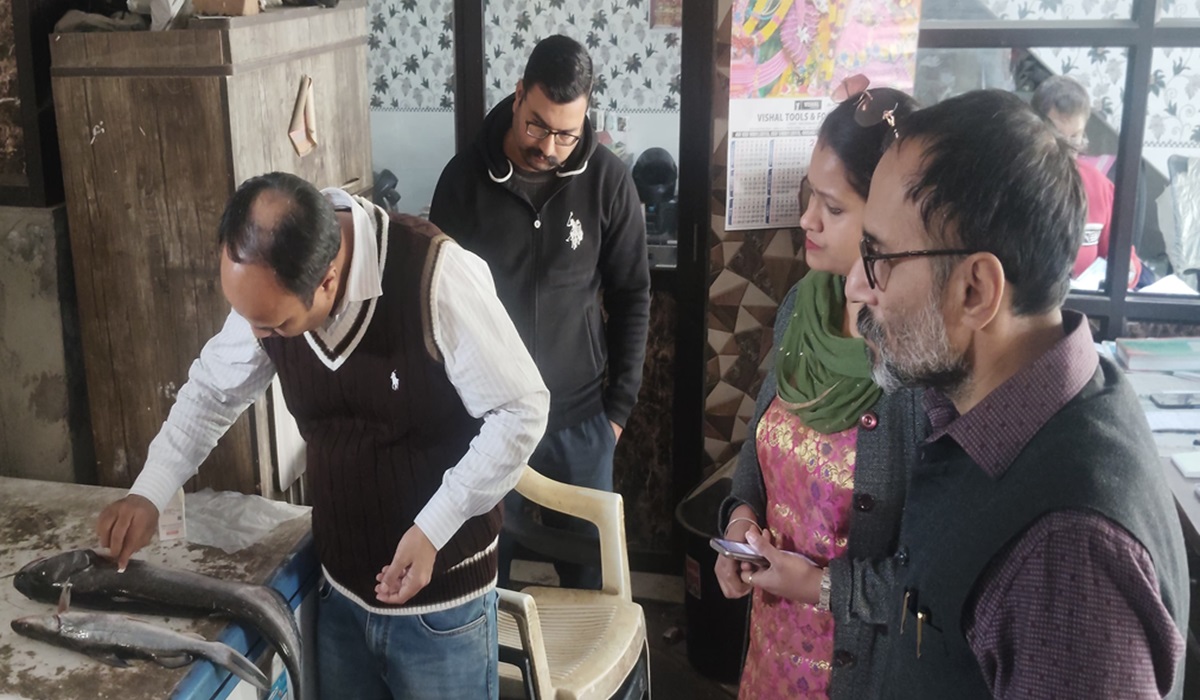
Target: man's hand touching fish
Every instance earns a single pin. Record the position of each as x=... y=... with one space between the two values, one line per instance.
x=125 y=526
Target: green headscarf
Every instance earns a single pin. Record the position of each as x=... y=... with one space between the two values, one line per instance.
x=824 y=377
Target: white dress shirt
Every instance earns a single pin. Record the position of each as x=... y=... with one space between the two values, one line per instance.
x=484 y=359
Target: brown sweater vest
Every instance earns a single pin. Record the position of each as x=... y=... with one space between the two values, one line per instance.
x=382 y=430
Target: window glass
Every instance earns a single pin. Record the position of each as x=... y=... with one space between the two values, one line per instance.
x=1170 y=242
x=1028 y=10
x=1095 y=96
x=1178 y=9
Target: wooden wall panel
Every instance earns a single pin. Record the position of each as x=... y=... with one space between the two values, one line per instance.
x=144 y=197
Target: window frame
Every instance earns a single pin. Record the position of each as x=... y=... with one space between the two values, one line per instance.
x=1140 y=35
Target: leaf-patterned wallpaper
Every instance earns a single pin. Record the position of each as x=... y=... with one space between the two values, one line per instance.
x=1173 y=111
x=410 y=55
x=943 y=73
x=1061 y=9
x=1173 y=106
x=636 y=66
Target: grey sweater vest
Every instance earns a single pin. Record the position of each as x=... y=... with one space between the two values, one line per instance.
x=1095 y=454
x=382 y=430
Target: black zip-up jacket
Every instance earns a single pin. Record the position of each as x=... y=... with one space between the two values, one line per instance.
x=552 y=266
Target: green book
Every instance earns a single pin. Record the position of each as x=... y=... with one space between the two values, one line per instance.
x=1159 y=354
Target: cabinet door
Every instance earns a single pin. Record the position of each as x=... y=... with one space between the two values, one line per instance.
x=261 y=102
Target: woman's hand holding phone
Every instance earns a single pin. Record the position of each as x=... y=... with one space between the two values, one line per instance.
x=730 y=572
x=787 y=574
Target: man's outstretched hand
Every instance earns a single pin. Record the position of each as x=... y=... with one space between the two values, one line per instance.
x=125 y=526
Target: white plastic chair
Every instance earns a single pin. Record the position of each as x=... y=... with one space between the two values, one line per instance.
x=576 y=644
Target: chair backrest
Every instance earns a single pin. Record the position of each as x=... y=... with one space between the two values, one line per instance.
x=556 y=543
x=605 y=510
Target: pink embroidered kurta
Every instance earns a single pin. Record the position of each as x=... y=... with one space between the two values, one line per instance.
x=809 y=479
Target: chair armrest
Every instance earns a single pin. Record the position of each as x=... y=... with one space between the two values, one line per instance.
x=603 y=509
x=523 y=609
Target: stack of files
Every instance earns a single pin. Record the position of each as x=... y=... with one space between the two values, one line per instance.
x=1159 y=354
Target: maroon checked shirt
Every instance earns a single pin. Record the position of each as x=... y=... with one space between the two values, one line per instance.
x=1072 y=608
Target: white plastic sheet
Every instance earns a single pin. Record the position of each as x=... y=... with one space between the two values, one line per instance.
x=233 y=521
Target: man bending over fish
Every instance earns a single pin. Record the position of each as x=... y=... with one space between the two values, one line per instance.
x=419 y=404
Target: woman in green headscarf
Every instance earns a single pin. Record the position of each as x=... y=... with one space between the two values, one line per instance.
x=820 y=487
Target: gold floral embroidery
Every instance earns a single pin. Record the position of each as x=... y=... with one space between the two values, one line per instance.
x=809 y=479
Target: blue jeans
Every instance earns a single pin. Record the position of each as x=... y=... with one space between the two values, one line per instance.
x=367 y=656
x=581 y=455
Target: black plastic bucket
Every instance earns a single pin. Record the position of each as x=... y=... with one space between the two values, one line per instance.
x=716 y=626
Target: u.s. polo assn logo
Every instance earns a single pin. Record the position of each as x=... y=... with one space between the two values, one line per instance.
x=575 y=235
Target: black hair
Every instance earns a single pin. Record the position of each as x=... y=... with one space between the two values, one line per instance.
x=562 y=67
x=1061 y=94
x=995 y=178
x=859 y=148
x=297 y=242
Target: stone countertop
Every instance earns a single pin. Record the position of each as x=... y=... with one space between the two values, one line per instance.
x=39 y=519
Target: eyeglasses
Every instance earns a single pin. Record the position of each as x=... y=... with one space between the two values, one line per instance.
x=869 y=111
x=539 y=132
x=870 y=258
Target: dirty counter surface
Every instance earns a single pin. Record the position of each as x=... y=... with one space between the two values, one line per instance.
x=39 y=519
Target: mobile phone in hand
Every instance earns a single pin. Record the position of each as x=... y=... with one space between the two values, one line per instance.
x=739 y=551
x=744 y=552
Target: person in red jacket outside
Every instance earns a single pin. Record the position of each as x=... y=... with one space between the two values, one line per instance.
x=1065 y=104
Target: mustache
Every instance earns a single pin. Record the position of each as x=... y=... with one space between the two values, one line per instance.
x=534 y=154
x=868 y=327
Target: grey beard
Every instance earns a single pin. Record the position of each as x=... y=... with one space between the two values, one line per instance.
x=919 y=356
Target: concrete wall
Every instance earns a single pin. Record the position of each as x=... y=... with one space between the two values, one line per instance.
x=44 y=428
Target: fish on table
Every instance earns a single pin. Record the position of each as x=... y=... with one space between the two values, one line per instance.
x=96 y=584
x=115 y=640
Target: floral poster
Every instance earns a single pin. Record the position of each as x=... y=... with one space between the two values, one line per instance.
x=804 y=48
x=786 y=59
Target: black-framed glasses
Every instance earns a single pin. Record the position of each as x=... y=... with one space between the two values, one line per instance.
x=539 y=132
x=870 y=258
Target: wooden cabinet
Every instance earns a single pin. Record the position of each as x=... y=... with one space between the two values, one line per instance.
x=156 y=130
